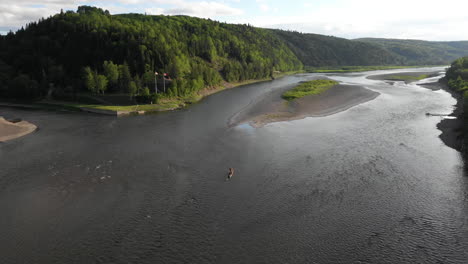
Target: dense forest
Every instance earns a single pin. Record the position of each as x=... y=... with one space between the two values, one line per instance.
x=457 y=76
x=420 y=52
x=319 y=50
x=92 y=51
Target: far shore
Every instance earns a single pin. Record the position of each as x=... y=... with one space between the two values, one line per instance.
x=11 y=130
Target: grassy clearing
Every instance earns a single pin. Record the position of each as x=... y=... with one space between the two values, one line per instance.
x=309 y=88
x=344 y=69
x=163 y=105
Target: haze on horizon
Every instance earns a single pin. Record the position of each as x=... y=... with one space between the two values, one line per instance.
x=402 y=19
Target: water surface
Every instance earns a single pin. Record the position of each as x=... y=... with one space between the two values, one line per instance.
x=372 y=184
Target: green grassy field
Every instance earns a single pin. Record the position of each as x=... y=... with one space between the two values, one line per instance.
x=309 y=88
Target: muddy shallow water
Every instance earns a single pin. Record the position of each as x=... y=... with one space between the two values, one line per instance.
x=372 y=184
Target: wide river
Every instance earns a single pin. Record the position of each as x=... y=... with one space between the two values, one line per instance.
x=372 y=184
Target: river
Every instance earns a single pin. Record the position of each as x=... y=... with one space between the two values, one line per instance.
x=372 y=184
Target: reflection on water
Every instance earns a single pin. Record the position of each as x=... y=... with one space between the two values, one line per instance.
x=373 y=184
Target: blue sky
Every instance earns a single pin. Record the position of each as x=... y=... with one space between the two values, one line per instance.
x=407 y=19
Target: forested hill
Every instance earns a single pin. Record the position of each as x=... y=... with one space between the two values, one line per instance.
x=319 y=50
x=91 y=49
x=420 y=52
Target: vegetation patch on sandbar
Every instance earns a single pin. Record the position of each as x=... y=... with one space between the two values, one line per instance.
x=309 y=88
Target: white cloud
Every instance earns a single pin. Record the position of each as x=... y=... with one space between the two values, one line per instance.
x=429 y=19
x=17 y=13
x=422 y=19
x=203 y=9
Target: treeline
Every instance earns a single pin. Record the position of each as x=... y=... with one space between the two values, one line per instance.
x=91 y=50
x=457 y=76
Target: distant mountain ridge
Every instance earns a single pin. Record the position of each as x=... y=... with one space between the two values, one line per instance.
x=320 y=50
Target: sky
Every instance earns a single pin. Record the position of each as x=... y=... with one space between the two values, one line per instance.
x=404 y=19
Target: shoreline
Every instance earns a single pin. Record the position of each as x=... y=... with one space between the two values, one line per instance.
x=452 y=129
x=337 y=99
x=167 y=104
x=13 y=130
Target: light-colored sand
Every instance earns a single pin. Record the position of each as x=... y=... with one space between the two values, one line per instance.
x=336 y=99
x=9 y=131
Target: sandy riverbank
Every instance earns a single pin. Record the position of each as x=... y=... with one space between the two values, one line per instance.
x=10 y=130
x=336 y=99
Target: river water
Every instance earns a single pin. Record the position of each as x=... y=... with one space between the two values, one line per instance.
x=372 y=184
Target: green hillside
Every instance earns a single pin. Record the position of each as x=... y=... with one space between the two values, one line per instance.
x=419 y=52
x=318 y=50
x=93 y=50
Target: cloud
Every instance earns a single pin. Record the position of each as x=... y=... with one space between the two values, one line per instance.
x=17 y=13
x=203 y=9
x=14 y=14
x=422 y=19
x=417 y=19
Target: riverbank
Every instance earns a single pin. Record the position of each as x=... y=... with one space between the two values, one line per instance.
x=12 y=130
x=334 y=100
x=452 y=129
x=164 y=104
